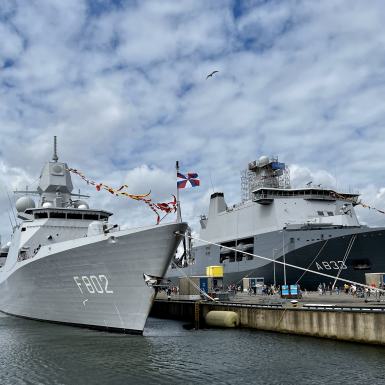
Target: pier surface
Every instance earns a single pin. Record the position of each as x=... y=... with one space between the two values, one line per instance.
x=341 y=317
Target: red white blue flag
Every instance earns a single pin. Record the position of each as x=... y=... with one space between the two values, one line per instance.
x=189 y=180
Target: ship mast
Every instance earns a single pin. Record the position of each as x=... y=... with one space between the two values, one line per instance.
x=178 y=209
x=55 y=158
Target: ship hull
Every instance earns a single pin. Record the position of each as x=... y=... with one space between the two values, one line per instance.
x=344 y=253
x=94 y=282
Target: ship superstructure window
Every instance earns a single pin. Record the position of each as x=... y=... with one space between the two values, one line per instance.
x=265 y=194
x=320 y=213
x=57 y=215
x=74 y=216
x=330 y=213
x=41 y=215
x=91 y=217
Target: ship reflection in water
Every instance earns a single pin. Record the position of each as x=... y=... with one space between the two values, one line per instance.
x=41 y=353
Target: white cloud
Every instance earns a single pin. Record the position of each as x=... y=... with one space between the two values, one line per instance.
x=124 y=87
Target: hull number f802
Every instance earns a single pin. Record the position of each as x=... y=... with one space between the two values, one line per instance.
x=94 y=284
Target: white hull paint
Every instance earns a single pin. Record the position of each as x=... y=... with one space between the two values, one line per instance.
x=92 y=281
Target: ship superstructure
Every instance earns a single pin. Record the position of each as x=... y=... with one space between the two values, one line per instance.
x=312 y=227
x=67 y=263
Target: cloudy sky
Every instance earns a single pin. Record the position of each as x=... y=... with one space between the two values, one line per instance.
x=123 y=86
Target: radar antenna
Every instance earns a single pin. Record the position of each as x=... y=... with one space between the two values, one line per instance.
x=266 y=172
x=55 y=158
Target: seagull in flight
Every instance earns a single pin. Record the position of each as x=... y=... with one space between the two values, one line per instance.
x=211 y=75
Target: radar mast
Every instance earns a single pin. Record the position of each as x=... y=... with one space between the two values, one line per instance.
x=264 y=172
x=55 y=158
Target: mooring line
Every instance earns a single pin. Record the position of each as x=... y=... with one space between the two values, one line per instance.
x=193 y=283
x=286 y=264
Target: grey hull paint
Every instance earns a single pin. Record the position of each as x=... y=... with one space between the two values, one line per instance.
x=304 y=248
x=44 y=287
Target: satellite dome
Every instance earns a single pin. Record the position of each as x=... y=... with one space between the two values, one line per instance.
x=47 y=205
x=263 y=160
x=81 y=205
x=24 y=203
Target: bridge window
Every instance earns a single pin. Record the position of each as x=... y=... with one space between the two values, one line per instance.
x=57 y=215
x=74 y=216
x=41 y=215
x=91 y=217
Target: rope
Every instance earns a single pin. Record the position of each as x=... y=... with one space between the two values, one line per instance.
x=287 y=264
x=252 y=271
x=352 y=239
x=307 y=269
x=192 y=282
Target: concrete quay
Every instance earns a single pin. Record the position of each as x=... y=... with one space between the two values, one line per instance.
x=340 y=317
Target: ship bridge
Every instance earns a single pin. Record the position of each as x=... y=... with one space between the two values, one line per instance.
x=266 y=196
x=68 y=213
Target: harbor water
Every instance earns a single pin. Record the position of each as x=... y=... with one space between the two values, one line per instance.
x=168 y=353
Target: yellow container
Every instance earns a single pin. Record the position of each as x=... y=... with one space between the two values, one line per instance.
x=214 y=271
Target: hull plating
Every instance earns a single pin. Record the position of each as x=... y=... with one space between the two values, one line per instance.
x=322 y=251
x=95 y=283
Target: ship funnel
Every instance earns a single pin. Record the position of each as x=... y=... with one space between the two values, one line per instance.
x=217 y=204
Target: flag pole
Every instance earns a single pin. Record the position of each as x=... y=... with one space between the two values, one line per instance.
x=178 y=210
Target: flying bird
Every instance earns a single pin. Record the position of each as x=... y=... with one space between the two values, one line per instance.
x=210 y=75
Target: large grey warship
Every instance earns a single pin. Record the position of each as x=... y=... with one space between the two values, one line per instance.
x=65 y=263
x=313 y=227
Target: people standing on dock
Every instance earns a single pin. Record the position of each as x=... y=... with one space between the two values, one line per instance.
x=337 y=289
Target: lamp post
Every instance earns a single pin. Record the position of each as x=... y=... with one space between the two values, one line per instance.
x=274 y=250
x=284 y=259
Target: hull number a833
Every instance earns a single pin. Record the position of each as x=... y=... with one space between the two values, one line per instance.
x=94 y=284
x=331 y=265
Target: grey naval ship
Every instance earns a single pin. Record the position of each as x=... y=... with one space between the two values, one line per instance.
x=312 y=227
x=66 y=263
